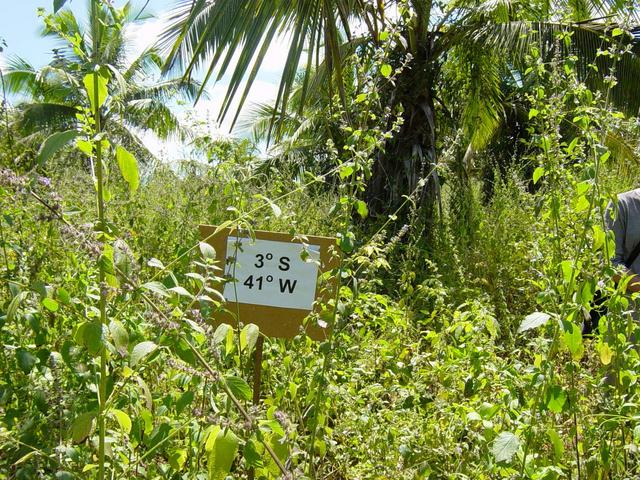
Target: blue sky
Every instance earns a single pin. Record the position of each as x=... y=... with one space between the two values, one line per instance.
x=20 y=27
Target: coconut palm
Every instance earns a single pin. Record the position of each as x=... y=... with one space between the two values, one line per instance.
x=210 y=33
x=138 y=101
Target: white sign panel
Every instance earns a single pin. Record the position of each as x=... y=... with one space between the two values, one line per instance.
x=271 y=273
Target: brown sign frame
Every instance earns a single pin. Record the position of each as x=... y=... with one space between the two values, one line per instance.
x=276 y=321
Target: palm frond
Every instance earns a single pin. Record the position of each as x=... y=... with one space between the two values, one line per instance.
x=153 y=115
x=44 y=115
x=210 y=31
x=20 y=77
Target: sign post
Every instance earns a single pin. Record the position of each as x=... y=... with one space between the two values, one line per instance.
x=274 y=283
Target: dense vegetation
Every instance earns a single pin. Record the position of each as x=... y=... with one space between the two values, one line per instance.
x=463 y=159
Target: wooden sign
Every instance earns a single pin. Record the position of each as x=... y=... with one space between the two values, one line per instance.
x=277 y=279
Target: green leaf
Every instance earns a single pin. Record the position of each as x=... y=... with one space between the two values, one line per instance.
x=177 y=459
x=14 y=304
x=91 y=336
x=85 y=146
x=183 y=292
x=211 y=437
x=120 y=336
x=103 y=91
x=386 y=70
x=123 y=420
x=556 y=441
x=505 y=446
x=533 y=320
x=238 y=387
x=208 y=252
x=606 y=353
x=26 y=361
x=252 y=455
x=249 y=337
x=345 y=171
x=50 y=304
x=53 y=144
x=537 y=173
x=221 y=332
x=361 y=97
x=222 y=455
x=128 y=167
x=185 y=399
x=533 y=113
x=617 y=32
x=556 y=399
x=157 y=288
x=573 y=340
x=82 y=426
x=362 y=209
x=63 y=295
x=140 y=351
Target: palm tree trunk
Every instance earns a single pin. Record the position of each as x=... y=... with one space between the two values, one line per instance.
x=411 y=156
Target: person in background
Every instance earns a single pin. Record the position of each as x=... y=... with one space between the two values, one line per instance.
x=625 y=225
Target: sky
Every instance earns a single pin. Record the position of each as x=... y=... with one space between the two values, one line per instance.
x=20 y=27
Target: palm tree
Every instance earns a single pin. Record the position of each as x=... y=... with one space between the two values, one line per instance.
x=322 y=32
x=138 y=101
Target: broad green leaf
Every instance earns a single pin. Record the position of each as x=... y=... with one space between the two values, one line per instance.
x=157 y=288
x=91 y=336
x=556 y=441
x=211 y=437
x=606 y=353
x=155 y=263
x=82 y=426
x=222 y=455
x=537 y=173
x=63 y=295
x=208 y=252
x=185 y=399
x=252 y=454
x=599 y=238
x=123 y=420
x=386 y=70
x=573 y=340
x=362 y=209
x=533 y=320
x=50 y=304
x=54 y=143
x=249 y=337
x=617 y=32
x=177 y=459
x=533 y=113
x=556 y=399
x=238 y=387
x=505 y=447
x=183 y=292
x=85 y=146
x=26 y=361
x=345 y=171
x=120 y=336
x=103 y=91
x=128 y=167
x=221 y=332
x=141 y=351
